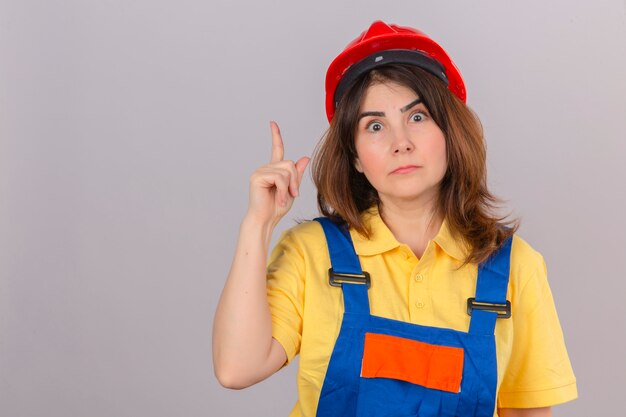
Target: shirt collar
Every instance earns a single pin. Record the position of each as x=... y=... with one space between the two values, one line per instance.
x=382 y=240
x=454 y=245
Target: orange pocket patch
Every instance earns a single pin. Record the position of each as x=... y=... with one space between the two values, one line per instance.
x=431 y=366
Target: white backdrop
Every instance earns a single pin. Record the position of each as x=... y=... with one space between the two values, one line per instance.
x=128 y=130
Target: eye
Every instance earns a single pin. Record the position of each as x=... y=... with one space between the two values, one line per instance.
x=418 y=116
x=374 y=127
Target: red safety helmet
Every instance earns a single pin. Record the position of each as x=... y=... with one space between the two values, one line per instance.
x=384 y=44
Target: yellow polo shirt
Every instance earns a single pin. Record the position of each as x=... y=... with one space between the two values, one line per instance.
x=533 y=366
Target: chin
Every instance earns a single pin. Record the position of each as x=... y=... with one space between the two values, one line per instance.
x=412 y=194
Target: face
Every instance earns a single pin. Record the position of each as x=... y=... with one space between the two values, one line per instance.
x=400 y=149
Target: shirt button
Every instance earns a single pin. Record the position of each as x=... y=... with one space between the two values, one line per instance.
x=419 y=304
x=419 y=278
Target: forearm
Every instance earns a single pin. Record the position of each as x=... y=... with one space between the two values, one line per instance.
x=242 y=330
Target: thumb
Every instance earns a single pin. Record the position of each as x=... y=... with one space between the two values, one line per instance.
x=301 y=165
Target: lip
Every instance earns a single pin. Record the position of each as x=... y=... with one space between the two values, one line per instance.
x=406 y=169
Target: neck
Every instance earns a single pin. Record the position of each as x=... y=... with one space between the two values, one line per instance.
x=412 y=224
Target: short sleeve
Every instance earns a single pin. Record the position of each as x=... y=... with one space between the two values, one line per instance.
x=539 y=373
x=285 y=293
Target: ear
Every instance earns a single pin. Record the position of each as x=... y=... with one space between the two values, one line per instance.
x=357 y=165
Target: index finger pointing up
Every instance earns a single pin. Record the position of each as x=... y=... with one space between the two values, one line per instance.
x=278 y=150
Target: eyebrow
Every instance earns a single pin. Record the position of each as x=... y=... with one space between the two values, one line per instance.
x=382 y=114
x=371 y=113
x=411 y=104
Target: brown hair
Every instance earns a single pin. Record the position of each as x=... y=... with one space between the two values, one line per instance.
x=464 y=200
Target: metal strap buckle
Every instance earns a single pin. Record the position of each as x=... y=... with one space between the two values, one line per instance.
x=503 y=310
x=336 y=279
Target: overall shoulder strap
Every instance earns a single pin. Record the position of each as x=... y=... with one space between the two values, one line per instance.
x=345 y=268
x=490 y=301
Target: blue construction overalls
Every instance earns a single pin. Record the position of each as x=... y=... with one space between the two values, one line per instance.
x=449 y=372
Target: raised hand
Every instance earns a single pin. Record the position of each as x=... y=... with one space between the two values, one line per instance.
x=274 y=186
x=244 y=351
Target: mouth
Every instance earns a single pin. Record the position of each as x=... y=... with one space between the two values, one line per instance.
x=406 y=169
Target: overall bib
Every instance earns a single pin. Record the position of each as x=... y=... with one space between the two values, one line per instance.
x=383 y=367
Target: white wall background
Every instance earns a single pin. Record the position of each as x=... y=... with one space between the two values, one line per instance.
x=128 y=130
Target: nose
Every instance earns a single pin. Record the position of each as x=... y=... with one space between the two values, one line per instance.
x=402 y=142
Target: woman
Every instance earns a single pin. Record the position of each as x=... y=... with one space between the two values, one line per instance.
x=410 y=297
